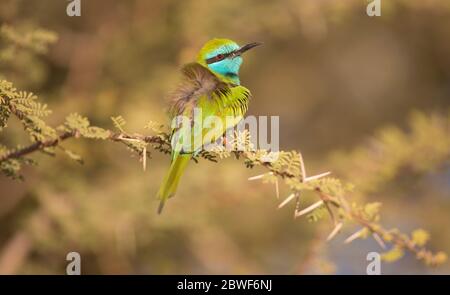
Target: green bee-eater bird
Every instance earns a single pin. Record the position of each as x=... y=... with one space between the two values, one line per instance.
x=211 y=85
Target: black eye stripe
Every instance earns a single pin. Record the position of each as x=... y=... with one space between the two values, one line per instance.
x=215 y=59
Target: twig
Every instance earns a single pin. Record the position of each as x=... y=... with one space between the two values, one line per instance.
x=39 y=145
x=378 y=232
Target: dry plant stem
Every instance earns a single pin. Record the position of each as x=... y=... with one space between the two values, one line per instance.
x=339 y=202
x=377 y=231
x=39 y=145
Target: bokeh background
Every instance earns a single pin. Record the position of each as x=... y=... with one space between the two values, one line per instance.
x=348 y=89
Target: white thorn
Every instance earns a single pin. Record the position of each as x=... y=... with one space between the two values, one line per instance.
x=259 y=176
x=129 y=139
x=287 y=200
x=336 y=229
x=379 y=240
x=316 y=176
x=302 y=167
x=144 y=158
x=309 y=209
x=354 y=236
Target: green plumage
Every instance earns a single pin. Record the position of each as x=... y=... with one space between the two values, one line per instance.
x=212 y=85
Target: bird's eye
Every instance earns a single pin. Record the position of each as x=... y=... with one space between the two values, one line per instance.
x=220 y=56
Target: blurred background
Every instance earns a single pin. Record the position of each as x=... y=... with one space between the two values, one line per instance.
x=365 y=97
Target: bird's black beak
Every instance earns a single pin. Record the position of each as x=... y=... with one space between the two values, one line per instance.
x=247 y=47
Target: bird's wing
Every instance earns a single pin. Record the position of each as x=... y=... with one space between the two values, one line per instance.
x=197 y=81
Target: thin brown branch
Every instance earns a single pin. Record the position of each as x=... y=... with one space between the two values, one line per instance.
x=378 y=232
x=39 y=145
x=162 y=143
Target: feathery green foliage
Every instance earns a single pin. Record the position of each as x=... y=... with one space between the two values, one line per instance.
x=36 y=40
x=334 y=195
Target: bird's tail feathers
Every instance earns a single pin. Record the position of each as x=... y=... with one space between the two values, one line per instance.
x=171 y=180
